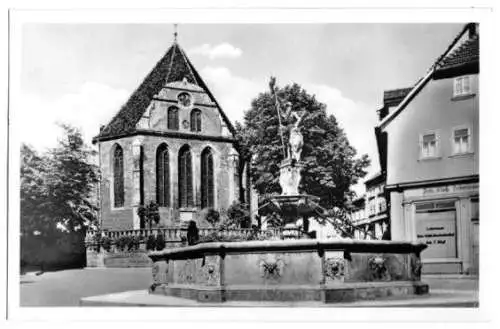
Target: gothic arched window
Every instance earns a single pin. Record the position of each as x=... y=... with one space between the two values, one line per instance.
x=207 y=179
x=185 y=178
x=195 y=120
x=173 y=118
x=162 y=176
x=118 y=186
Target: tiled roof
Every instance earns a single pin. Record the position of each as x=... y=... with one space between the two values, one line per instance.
x=173 y=66
x=467 y=53
x=395 y=96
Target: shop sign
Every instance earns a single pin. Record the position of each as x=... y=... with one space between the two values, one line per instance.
x=439 y=235
x=442 y=190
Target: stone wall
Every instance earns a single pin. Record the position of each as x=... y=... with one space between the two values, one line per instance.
x=126 y=217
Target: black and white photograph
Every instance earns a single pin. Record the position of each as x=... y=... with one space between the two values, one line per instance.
x=301 y=163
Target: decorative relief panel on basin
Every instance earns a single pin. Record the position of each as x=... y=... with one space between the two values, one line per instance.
x=416 y=267
x=159 y=271
x=209 y=271
x=271 y=267
x=186 y=273
x=378 y=269
x=334 y=269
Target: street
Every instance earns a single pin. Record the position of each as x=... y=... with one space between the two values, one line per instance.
x=67 y=287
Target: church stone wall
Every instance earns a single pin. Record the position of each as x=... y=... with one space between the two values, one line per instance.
x=123 y=218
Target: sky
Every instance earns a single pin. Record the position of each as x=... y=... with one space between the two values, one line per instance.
x=82 y=73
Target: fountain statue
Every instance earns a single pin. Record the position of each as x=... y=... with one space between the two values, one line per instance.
x=291 y=203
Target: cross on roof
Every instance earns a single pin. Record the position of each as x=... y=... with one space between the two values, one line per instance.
x=175 y=33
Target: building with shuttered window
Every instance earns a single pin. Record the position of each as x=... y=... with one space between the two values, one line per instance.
x=170 y=143
x=429 y=151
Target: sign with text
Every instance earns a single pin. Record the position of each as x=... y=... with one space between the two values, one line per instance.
x=438 y=232
x=442 y=190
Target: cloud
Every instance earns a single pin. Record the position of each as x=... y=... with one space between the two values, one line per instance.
x=357 y=119
x=223 y=50
x=92 y=105
x=233 y=93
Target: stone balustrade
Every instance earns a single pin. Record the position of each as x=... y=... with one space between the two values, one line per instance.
x=176 y=233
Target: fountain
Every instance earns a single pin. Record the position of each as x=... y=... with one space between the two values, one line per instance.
x=326 y=271
x=289 y=270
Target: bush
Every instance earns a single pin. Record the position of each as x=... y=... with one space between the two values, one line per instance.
x=160 y=242
x=133 y=243
x=238 y=214
x=121 y=242
x=151 y=243
x=212 y=216
x=106 y=243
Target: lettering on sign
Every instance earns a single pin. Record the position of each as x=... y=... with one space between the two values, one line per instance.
x=439 y=234
x=442 y=190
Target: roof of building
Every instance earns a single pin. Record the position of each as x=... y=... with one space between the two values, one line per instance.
x=377 y=178
x=463 y=60
x=457 y=59
x=173 y=66
x=395 y=96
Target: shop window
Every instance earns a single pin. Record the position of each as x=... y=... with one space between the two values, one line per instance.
x=435 y=225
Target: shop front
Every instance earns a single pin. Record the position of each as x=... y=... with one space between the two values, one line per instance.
x=446 y=219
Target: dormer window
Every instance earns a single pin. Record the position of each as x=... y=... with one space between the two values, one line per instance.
x=462 y=86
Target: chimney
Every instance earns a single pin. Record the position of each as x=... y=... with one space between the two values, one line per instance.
x=392 y=98
x=473 y=30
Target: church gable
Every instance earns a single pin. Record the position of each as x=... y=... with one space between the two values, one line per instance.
x=173 y=83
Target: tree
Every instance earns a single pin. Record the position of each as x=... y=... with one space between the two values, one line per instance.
x=238 y=215
x=149 y=214
x=58 y=201
x=331 y=163
x=212 y=216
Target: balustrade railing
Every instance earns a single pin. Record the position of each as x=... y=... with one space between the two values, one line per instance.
x=175 y=234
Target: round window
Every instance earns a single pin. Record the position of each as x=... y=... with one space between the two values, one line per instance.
x=184 y=99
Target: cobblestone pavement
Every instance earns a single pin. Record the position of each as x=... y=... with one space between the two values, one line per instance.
x=67 y=287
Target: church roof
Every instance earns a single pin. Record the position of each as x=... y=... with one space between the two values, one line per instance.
x=173 y=67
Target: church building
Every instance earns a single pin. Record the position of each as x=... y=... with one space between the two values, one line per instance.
x=170 y=143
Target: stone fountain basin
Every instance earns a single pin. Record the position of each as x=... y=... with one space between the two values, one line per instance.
x=293 y=270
